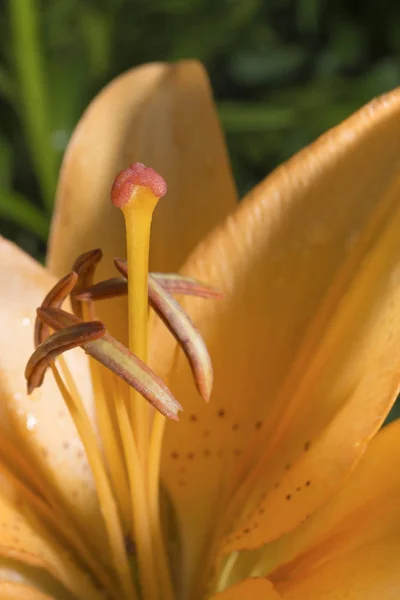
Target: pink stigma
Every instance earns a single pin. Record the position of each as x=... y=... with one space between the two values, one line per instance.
x=136 y=174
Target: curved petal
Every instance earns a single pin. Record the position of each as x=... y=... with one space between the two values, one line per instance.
x=24 y=547
x=349 y=549
x=161 y=115
x=295 y=339
x=370 y=572
x=38 y=426
x=257 y=589
x=20 y=591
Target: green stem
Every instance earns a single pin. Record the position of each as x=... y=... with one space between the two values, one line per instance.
x=34 y=102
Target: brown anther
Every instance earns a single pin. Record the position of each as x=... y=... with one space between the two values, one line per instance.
x=54 y=298
x=116 y=357
x=176 y=284
x=186 y=335
x=110 y=288
x=85 y=266
x=56 y=344
x=187 y=286
x=122 y=266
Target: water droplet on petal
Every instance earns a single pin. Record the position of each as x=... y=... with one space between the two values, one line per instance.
x=31 y=422
x=26 y=321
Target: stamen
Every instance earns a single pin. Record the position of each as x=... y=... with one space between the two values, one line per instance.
x=187 y=286
x=175 y=283
x=185 y=333
x=180 y=325
x=84 y=266
x=109 y=288
x=107 y=502
x=113 y=355
x=56 y=344
x=55 y=299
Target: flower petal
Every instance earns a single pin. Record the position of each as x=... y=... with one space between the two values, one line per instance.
x=21 y=542
x=39 y=426
x=256 y=589
x=20 y=591
x=304 y=325
x=162 y=115
x=349 y=549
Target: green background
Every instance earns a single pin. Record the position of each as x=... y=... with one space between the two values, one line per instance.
x=283 y=72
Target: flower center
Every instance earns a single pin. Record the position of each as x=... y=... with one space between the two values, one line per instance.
x=124 y=446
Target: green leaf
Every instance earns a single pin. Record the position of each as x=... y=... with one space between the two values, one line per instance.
x=244 y=117
x=20 y=211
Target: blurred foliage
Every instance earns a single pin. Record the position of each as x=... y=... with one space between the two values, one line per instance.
x=283 y=72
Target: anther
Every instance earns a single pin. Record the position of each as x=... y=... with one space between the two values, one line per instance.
x=116 y=357
x=186 y=334
x=56 y=344
x=103 y=290
x=182 y=328
x=85 y=267
x=175 y=283
x=55 y=299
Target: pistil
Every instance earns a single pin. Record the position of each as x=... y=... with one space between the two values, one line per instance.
x=136 y=192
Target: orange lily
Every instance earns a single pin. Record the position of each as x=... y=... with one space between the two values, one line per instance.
x=273 y=488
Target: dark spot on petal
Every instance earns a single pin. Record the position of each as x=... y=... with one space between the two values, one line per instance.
x=288 y=496
x=206 y=433
x=193 y=418
x=207 y=452
x=130 y=545
x=308 y=483
x=287 y=467
x=65 y=445
x=237 y=452
x=246 y=531
x=174 y=455
x=258 y=425
x=276 y=486
x=261 y=511
x=190 y=455
x=307 y=446
x=298 y=488
x=235 y=426
x=221 y=413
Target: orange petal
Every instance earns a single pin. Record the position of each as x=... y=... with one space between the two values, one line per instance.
x=254 y=589
x=20 y=591
x=349 y=549
x=340 y=400
x=161 y=115
x=302 y=339
x=29 y=547
x=39 y=426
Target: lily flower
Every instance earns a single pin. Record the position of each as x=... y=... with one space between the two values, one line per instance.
x=274 y=484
